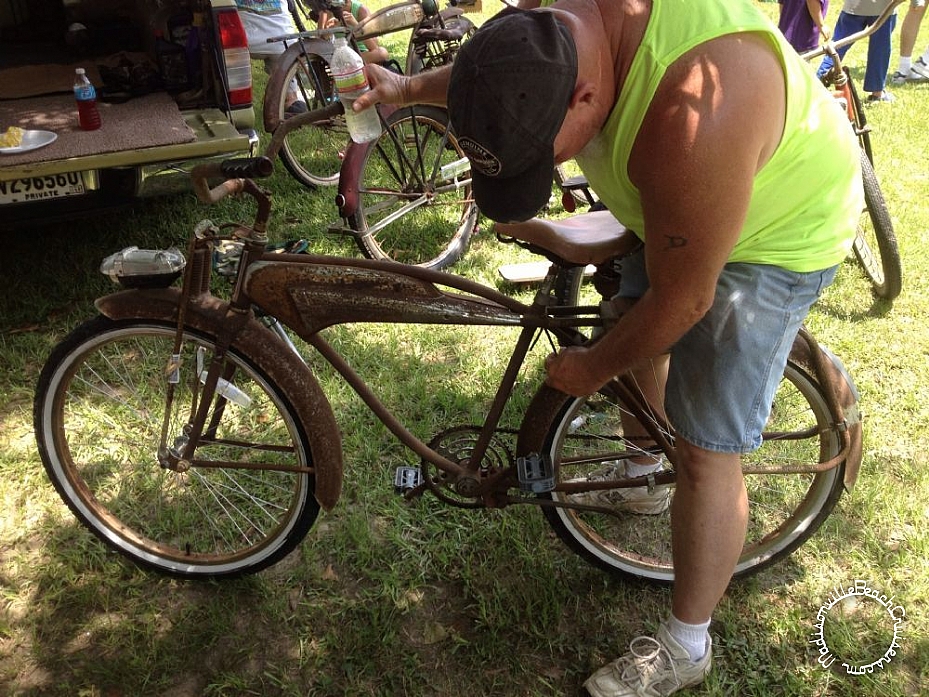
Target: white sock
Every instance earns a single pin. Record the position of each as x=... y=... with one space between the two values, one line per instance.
x=692 y=637
x=904 y=66
x=634 y=469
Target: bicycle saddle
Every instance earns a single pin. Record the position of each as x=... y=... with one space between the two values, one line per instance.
x=586 y=238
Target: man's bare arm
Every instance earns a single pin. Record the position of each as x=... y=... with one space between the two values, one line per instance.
x=430 y=87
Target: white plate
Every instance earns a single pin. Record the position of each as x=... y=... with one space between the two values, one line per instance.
x=32 y=140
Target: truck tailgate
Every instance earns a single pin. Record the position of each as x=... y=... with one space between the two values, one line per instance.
x=130 y=136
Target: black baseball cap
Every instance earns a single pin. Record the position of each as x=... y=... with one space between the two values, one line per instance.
x=509 y=91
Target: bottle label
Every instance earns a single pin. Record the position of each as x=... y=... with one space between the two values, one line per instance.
x=84 y=93
x=352 y=83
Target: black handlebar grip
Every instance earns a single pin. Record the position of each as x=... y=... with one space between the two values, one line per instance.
x=247 y=168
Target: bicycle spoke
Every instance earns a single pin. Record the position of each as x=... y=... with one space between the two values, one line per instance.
x=243 y=499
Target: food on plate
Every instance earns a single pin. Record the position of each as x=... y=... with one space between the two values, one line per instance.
x=12 y=137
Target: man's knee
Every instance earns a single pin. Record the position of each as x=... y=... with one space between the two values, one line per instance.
x=699 y=466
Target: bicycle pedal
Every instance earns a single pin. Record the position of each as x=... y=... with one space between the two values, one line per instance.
x=535 y=473
x=407 y=478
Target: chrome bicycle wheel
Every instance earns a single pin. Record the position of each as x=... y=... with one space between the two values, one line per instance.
x=415 y=203
x=99 y=414
x=313 y=155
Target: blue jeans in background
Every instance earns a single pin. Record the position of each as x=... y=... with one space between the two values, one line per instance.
x=875 y=76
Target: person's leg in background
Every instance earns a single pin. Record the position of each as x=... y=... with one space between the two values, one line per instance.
x=878 y=63
x=845 y=25
x=907 y=69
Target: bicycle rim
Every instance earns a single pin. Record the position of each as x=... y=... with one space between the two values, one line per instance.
x=99 y=411
x=875 y=243
x=415 y=204
x=313 y=154
x=785 y=508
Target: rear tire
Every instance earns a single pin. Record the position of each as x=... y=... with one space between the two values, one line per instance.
x=581 y=435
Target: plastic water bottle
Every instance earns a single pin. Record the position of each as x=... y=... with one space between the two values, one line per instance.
x=88 y=116
x=350 y=83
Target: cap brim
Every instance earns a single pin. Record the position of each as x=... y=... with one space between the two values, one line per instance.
x=514 y=199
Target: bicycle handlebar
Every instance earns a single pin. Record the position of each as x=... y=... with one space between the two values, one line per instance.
x=237 y=171
x=831 y=46
x=234 y=172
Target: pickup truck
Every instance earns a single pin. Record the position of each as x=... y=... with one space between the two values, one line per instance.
x=174 y=88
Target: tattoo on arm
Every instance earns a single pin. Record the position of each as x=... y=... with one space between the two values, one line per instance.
x=675 y=241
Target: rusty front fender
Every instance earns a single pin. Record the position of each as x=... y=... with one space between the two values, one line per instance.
x=208 y=315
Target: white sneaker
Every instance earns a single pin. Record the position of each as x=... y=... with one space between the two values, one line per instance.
x=899 y=78
x=652 y=668
x=643 y=500
x=919 y=70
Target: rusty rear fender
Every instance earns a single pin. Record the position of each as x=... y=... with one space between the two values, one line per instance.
x=846 y=394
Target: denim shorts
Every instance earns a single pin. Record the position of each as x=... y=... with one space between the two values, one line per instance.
x=725 y=370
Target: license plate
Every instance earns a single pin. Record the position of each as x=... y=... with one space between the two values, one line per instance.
x=42 y=188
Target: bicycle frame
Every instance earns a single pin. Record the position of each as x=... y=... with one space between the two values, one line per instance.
x=309 y=293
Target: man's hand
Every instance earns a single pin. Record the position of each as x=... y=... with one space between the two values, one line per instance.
x=386 y=86
x=569 y=370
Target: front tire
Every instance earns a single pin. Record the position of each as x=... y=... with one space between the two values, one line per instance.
x=99 y=413
x=875 y=244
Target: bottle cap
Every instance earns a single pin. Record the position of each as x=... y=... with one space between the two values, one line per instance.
x=79 y=71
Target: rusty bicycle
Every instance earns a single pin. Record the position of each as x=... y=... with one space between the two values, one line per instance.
x=183 y=432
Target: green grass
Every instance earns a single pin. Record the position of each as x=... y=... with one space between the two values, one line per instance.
x=388 y=598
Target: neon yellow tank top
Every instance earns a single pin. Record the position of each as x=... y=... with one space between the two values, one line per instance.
x=806 y=201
